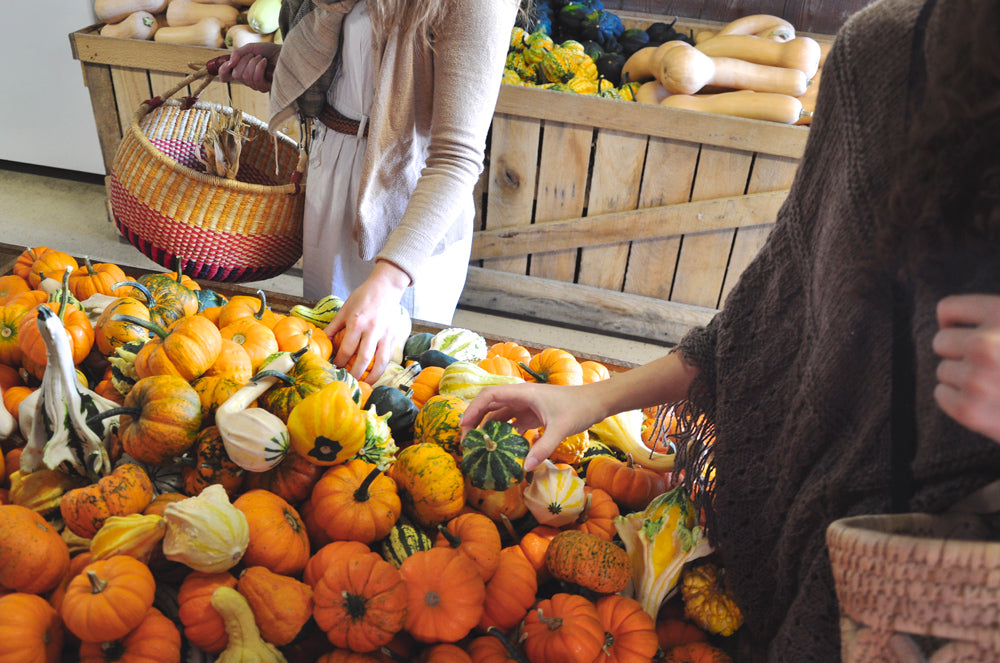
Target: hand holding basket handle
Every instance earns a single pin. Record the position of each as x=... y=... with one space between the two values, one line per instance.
x=251 y=65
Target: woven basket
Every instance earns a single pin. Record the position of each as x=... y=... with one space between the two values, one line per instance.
x=916 y=587
x=170 y=209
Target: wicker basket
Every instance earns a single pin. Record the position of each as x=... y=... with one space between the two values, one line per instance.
x=916 y=587
x=170 y=209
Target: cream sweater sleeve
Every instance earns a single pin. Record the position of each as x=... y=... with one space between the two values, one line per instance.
x=468 y=63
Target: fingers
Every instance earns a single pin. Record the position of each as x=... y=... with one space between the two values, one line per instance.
x=953 y=343
x=968 y=310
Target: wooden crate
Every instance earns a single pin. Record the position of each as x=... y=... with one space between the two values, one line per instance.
x=628 y=218
x=614 y=216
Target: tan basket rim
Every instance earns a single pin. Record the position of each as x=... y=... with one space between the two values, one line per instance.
x=213 y=180
x=873 y=530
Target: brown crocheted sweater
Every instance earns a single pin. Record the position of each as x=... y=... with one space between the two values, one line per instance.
x=797 y=369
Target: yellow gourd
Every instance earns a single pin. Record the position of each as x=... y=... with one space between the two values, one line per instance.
x=207 y=33
x=744 y=103
x=686 y=70
x=263 y=16
x=135 y=535
x=801 y=53
x=188 y=12
x=113 y=11
x=137 y=25
x=623 y=431
x=245 y=644
x=206 y=532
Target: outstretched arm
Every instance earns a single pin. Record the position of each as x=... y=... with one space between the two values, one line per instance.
x=566 y=410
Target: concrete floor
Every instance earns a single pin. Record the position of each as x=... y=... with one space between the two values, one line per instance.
x=67 y=211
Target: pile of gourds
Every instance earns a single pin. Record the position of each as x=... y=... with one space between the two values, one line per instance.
x=214 y=24
x=187 y=475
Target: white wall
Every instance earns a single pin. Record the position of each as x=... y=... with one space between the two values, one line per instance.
x=45 y=114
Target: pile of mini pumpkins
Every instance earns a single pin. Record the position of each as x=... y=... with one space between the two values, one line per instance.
x=247 y=500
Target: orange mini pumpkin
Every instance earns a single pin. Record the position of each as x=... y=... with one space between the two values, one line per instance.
x=510 y=592
x=203 y=625
x=445 y=594
x=562 y=629
x=629 y=632
x=33 y=557
x=108 y=599
x=281 y=604
x=360 y=602
x=356 y=502
x=475 y=536
x=156 y=638
x=126 y=490
x=278 y=537
x=30 y=629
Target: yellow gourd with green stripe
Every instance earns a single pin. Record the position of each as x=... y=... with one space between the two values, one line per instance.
x=466 y=379
x=557 y=66
x=431 y=486
x=438 y=421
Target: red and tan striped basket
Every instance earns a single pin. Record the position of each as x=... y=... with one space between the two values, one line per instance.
x=220 y=229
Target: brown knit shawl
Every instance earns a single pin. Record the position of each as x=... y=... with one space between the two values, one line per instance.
x=796 y=370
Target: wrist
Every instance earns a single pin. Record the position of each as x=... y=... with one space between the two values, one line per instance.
x=391 y=275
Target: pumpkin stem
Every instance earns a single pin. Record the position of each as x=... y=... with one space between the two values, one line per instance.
x=97 y=583
x=553 y=623
x=535 y=374
x=178 y=263
x=453 y=540
x=512 y=651
x=585 y=514
x=113 y=650
x=361 y=494
x=609 y=642
x=64 y=296
x=263 y=305
x=432 y=599
x=138 y=286
x=145 y=324
x=393 y=655
x=112 y=412
x=268 y=373
x=508 y=526
x=90 y=266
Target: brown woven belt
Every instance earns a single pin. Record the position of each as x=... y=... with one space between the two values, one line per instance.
x=339 y=123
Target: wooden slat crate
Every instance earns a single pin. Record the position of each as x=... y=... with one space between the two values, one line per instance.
x=614 y=216
x=628 y=218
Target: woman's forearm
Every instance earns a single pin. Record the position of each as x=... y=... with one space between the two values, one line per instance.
x=663 y=380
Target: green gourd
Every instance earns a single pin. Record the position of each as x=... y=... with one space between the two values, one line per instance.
x=493 y=456
x=403 y=540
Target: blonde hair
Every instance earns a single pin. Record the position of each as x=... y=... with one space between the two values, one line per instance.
x=408 y=16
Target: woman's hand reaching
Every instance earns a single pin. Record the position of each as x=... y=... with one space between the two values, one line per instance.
x=561 y=410
x=370 y=320
x=968 y=342
x=251 y=65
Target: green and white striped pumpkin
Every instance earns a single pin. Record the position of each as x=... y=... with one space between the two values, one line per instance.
x=493 y=456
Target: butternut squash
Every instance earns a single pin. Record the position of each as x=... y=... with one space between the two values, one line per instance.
x=242 y=34
x=642 y=65
x=809 y=99
x=742 y=103
x=207 y=32
x=113 y=11
x=686 y=70
x=762 y=25
x=189 y=12
x=651 y=92
x=137 y=25
x=703 y=35
x=801 y=53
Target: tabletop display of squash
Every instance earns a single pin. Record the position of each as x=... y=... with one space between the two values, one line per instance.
x=298 y=515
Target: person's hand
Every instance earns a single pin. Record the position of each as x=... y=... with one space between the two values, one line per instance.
x=968 y=342
x=252 y=65
x=561 y=410
x=370 y=320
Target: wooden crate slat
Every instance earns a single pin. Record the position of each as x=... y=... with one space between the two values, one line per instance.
x=562 y=192
x=89 y=46
x=645 y=223
x=131 y=89
x=701 y=266
x=575 y=304
x=652 y=120
x=513 y=169
x=100 y=85
x=769 y=173
x=667 y=179
x=614 y=186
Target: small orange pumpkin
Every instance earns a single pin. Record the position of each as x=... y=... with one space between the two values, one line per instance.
x=510 y=592
x=256 y=338
x=33 y=557
x=631 y=486
x=326 y=555
x=90 y=279
x=562 y=629
x=589 y=561
x=108 y=599
x=10 y=286
x=294 y=333
x=203 y=625
x=51 y=264
x=356 y=502
x=475 y=536
x=598 y=516
x=629 y=632
x=445 y=594
x=554 y=366
x=30 y=629
x=155 y=639
x=360 y=602
x=278 y=537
